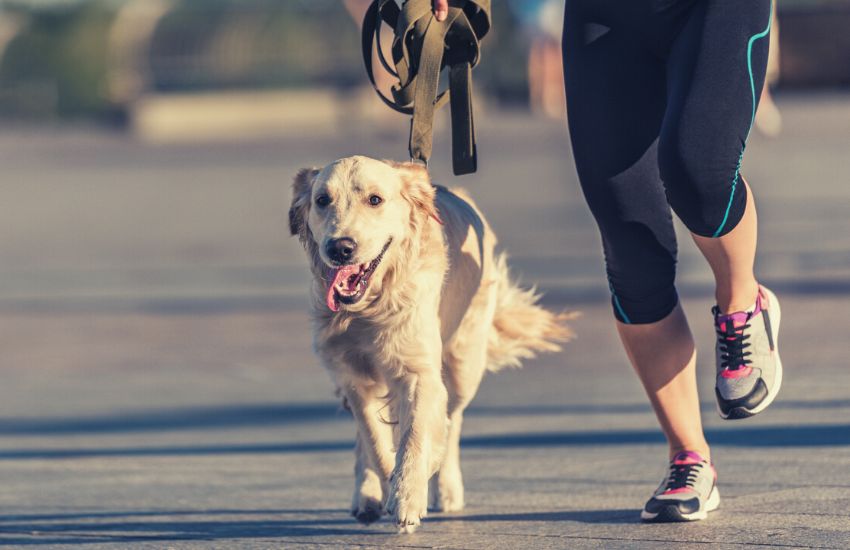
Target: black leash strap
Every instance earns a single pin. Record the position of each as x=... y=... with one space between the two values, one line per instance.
x=422 y=47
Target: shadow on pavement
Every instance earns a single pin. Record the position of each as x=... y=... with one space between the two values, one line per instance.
x=159 y=513
x=44 y=529
x=277 y=414
x=51 y=533
x=580 y=516
x=26 y=530
x=195 y=418
x=814 y=435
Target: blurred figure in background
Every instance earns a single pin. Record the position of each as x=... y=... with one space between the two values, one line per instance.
x=541 y=20
x=768 y=117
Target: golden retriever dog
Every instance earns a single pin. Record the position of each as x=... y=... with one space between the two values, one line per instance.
x=410 y=307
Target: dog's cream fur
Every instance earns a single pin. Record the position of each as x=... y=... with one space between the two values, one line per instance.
x=439 y=311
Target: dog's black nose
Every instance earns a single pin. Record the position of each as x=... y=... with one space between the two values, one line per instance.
x=341 y=250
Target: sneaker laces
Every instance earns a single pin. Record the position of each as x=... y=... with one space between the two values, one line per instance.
x=683 y=476
x=733 y=343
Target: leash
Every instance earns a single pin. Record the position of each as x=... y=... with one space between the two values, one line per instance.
x=422 y=47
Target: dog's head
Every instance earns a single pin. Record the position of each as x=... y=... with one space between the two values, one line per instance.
x=353 y=216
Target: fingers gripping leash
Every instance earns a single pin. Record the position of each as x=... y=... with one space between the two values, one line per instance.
x=422 y=47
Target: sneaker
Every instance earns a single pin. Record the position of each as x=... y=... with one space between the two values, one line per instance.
x=688 y=493
x=749 y=372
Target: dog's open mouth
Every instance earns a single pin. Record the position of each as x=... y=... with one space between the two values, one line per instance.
x=347 y=284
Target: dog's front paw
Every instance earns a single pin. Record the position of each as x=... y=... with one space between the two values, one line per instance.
x=407 y=504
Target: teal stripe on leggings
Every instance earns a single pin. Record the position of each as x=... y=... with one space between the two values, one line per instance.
x=753 y=38
x=622 y=313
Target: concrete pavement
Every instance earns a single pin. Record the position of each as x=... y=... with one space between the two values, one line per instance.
x=158 y=390
x=220 y=430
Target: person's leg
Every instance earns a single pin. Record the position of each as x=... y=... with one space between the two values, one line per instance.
x=535 y=75
x=553 y=78
x=664 y=356
x=716 y=70
x=616 y=98
x=732 y=258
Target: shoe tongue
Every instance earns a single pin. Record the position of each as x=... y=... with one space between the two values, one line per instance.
x=687 y=457
x=738 y=318
x=732 y=320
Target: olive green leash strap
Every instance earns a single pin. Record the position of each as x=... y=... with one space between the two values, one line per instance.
x=422 y=47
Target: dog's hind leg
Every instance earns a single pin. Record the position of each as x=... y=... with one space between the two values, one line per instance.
x=374 y=434
x=367 y=502
x=463 y=373
x=446 y=486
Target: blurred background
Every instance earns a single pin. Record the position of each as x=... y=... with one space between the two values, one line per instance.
x=142 y=138
x=105 y=60
x=153 y=327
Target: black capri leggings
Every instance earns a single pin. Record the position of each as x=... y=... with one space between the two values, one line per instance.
x=661 y=97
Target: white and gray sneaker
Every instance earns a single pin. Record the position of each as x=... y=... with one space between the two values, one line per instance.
x=688 y=493
x=749 y=371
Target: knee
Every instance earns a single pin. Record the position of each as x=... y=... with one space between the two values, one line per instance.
x=641 y=275
x=703 y=184
x=640 y=300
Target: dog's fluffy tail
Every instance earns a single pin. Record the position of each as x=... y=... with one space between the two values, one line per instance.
x=521 y=327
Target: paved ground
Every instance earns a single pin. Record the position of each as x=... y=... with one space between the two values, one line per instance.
x=159 y=391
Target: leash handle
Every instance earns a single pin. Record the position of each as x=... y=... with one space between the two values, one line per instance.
x=464 y=148
x=380 y=11
x=422 y=47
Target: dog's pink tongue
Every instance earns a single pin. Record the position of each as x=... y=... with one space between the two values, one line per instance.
x=339 y=274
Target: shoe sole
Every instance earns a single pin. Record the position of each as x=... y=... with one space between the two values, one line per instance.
x=671 y=514
x=742 y=412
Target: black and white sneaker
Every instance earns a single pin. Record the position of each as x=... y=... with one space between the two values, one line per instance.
x=688 y=493
x=749 y=371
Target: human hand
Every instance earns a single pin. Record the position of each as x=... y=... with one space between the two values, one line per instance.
x=441 y=9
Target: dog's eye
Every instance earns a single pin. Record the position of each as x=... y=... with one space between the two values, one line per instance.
x=375 y=200
x=322 y=201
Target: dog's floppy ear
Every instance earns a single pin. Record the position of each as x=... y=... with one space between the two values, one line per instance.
x=302 y=187
x=417 y=189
